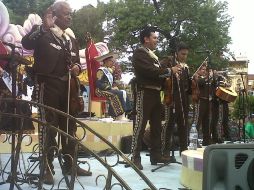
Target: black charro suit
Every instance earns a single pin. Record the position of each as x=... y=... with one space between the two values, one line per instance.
x=49 y=55
x=177 y=113
x=149 y=77
x=52 y=57
x=204 y=109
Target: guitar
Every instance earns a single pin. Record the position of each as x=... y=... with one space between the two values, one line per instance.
x=76 y=100
x=226 y=94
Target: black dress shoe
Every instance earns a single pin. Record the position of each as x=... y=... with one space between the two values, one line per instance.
x=159 y=159
x=217 y=141
x=48 y=177
x=137 y=162
x=83 y=172
x=80 y=172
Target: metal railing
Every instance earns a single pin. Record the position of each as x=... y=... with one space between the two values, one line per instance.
x=22 y=173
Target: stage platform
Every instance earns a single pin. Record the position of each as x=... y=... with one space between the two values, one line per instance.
x=167 y=178
x=112 y=131
x=173 y=176
x=192 y=168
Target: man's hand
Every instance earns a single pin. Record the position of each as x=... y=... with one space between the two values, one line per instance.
x=1 y=72
x=176 y=69
x=212 y=72
x=196 y=76
x=75 y=70
x=48 y=20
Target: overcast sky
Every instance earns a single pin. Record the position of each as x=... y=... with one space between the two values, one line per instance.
x=241 y=30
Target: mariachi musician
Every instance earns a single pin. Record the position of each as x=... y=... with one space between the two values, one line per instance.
x=219 y=108
x=56 y=55
x=203 y=81
x=177 y=91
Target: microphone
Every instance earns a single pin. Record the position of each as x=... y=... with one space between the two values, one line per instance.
x=12 y=46
x=241 y=73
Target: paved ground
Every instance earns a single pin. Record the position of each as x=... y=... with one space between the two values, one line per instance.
x=166 y=177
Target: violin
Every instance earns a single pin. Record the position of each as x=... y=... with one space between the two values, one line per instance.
x=168 y=85
x=195 y=91
x=76 y=100
x=194 y=85
x=168 y=92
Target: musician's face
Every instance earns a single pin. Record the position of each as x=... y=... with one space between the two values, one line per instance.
x=203 y=71
x=63 y=16
x=151 y=41
x=182 y=55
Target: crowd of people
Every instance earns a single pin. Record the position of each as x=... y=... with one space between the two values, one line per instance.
x=56 y=57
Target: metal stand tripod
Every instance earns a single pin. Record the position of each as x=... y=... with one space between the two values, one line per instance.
x=172 y=157
x=242 y=108
x=15 y=150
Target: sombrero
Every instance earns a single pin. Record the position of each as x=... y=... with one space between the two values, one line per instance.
x=105 y=56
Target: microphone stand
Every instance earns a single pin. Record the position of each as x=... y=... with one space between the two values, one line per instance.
x=172 y=157
x=14 y=150
x=242 y=115
x=209 y=62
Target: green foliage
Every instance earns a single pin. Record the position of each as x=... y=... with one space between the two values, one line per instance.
x=201 y=24
x=238 y=111
x=88 y=19
x=20 y=9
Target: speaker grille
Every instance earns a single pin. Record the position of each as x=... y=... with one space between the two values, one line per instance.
x=240 y=159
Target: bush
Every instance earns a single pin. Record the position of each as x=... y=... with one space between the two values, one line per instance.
x=240 y=109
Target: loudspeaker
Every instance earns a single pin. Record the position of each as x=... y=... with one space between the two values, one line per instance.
x=228 y=167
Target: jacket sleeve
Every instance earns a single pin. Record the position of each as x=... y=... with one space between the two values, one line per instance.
x=144 y=64
x=30 y=40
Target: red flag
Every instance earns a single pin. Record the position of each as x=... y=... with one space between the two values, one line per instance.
x=92 y=67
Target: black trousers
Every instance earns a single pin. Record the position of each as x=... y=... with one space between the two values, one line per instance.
x=55 y=94
x=178 y=114
x=176 y=117
x=214 y=119
x=204 y=118
x=148 y=108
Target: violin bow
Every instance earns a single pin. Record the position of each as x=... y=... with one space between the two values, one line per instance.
x=203 y=63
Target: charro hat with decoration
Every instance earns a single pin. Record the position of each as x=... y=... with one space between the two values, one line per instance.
x=106 y=56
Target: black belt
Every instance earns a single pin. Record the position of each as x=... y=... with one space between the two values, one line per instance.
x=150 y=87
x=62 y=78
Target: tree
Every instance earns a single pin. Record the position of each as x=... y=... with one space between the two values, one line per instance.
x=243 y=108
x=202 y=24
x=20 y=9
x=88 y=19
